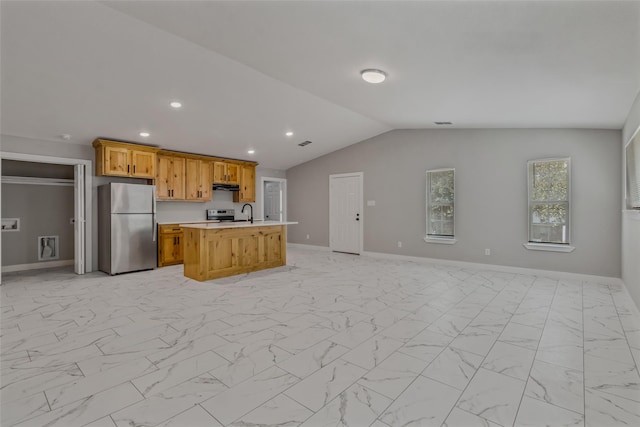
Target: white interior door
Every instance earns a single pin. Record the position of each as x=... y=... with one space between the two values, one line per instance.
x=345 y=218
x=273 y=201
x=79 y=220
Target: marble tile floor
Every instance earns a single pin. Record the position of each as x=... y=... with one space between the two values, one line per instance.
x=329 y=340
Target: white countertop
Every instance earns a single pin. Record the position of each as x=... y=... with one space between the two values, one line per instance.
x=203 y=221
x=214 y=225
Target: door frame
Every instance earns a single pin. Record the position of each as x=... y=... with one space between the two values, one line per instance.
x=84 y=197
x=360 y=176
x=283 y=188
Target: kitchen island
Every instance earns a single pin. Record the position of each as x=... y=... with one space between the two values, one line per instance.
x=214 y=250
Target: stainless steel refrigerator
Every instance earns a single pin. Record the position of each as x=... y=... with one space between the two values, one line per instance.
x=126 y=228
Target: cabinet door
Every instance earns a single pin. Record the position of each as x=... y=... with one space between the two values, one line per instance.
x=143 y=164
x=205 y=180
x=178 y=178
x=116 y=161
x=166 y=249
x=233 y=173
x=219 y=172
x=178 y=249
x=248 y=184
x=192 y=183
x=164 y=177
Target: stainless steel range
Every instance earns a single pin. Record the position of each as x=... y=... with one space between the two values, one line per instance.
x=222 y=215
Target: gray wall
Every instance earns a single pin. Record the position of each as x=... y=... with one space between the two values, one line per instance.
x=631 y=220
x=167 y=211
x=491 y=194
x=36 y=170
x=43 y=211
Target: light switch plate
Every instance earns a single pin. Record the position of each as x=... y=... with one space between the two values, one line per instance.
x=371 y=202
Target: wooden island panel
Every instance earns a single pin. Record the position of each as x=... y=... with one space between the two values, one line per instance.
x=211 y=253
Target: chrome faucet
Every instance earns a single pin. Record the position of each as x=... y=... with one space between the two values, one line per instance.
x=250 y=211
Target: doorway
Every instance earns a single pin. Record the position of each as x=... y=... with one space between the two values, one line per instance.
x=82 y=184
x=345 y=212
x=274 y=191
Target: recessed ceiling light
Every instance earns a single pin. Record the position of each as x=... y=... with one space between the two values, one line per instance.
x=176 y=104
x=251 y=151
x=372 y=75
x=66 y=137
x=144 y=134
x=289 y=133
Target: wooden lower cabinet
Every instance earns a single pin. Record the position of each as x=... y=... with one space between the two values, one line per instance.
x=221 y=252
x=170 y=245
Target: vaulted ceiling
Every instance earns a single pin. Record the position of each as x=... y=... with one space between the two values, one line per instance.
x=249 y=71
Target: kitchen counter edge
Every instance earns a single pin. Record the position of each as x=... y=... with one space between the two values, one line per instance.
x=217 y=225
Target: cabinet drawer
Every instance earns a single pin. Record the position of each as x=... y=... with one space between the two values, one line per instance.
x=169 y=228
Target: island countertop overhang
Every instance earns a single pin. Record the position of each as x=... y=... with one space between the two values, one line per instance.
x=223 y=225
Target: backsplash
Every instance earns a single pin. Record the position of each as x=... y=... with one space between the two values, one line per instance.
x=191 y=211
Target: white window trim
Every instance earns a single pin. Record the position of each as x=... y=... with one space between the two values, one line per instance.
x=443 y=240
x=549 y=247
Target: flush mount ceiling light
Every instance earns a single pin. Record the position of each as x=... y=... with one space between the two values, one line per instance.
x=144 y=134
x=176 y=104
x=371 y=75
x=289 y=133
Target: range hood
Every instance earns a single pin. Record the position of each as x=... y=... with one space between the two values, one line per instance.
x=226 y=187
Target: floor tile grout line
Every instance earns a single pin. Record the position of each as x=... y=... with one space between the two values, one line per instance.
x=525 y=381
x=494 y=343
x=210 y=414
x=441 y=351
x=524 y=391
x=624 y=332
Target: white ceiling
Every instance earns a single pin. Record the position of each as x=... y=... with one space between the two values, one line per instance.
x=247 y=72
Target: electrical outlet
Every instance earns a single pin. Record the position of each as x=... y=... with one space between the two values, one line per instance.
x=399 y=244
x=307 y=237
x=487 y=251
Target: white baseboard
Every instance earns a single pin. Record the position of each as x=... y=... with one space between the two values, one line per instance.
x=302 y=246
x=502 y=268
x=465 y=264
x=36 y=266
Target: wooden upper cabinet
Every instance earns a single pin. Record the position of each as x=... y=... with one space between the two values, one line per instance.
x=233 y=173
x=219 y=172
x=205 y=179
x=116 y=161
x=143 y=164
x=115 y=158
x=247 y=191
x=226 y=172
x=170 y=178
x=198 y=181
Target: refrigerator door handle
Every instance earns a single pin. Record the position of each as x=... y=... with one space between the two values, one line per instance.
x=153 y=219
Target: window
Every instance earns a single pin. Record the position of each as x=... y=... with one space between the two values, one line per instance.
x=549 y=204
x=440 y=206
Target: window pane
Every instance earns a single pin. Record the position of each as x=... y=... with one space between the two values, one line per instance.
x=440 y=202
x=441 y=187
x=549 y=223
x=550 y=180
